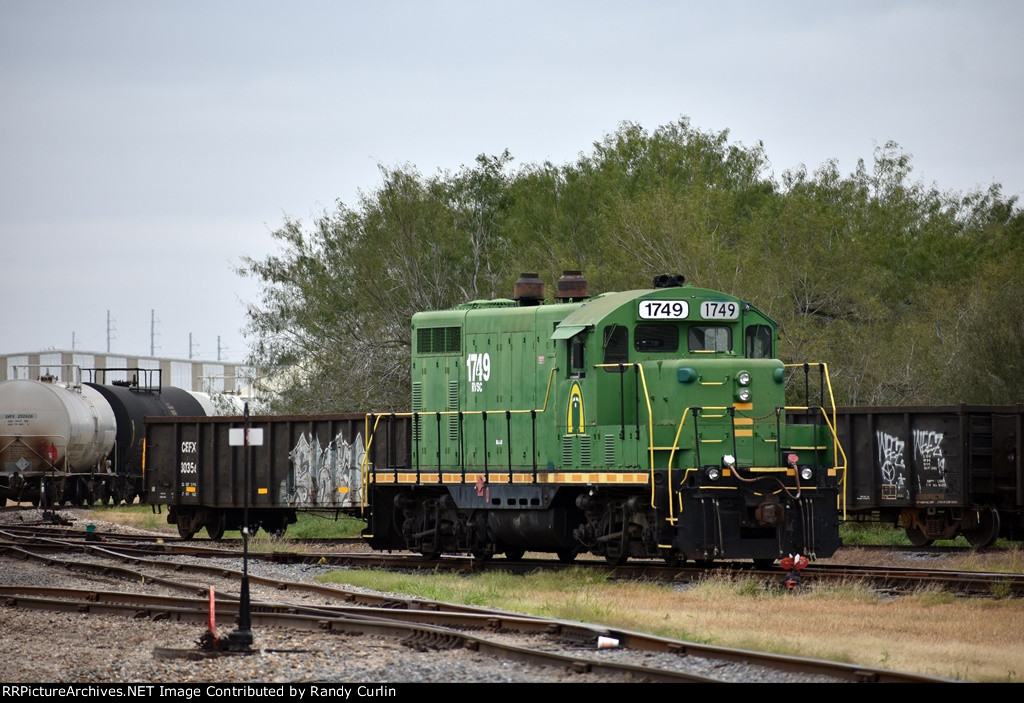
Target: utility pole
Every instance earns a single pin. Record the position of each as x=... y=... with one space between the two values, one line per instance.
x=110 y=330
x=152 y=332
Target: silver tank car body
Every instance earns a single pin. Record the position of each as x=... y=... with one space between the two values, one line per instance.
x=46 y=425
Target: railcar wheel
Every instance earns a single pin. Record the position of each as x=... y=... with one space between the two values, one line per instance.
x=215 y=526
x=672 y=557
x=918 y=538
x=566 y=556
x=515 y=554
x=185 y=531
x=985 y=534
x=482 y=555
x=617 y=559
x=275 y=526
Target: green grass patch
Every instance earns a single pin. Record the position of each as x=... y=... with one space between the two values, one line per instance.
x=140 y=516
x=870 y=534
x=931 y=596
x=847 y=591
x=325 y=526
x=308 y=525
x=579 y=591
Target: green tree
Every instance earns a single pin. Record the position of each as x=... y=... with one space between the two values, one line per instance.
x=909 y=294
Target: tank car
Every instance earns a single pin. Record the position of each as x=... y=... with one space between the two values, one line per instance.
x=644 y=423
x=80 y=442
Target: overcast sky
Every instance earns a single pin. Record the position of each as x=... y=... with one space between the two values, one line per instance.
x=146 y=146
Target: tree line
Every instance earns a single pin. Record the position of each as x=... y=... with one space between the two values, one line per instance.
x=912 y=295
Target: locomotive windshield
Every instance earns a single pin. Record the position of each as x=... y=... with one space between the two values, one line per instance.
x=709 y=338
x=656 y=338
x=759 y=342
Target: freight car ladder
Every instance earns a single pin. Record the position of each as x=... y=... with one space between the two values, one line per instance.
x=980 y=472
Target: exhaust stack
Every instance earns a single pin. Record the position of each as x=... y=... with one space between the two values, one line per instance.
x=571 y=287
x=529 y=290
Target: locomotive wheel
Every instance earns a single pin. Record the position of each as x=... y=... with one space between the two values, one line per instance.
x=917 y=537
x=566 y=556
x=515 y=554
x=617 y=559
x=985 y=534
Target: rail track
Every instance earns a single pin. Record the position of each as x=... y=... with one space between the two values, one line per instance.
x=422 y=624
x=887 y=578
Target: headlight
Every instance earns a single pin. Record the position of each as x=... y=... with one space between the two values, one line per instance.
x=712 y=473
x=806 y=473
x=743 y=395
x=743 y=378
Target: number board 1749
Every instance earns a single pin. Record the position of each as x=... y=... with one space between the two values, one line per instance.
x=720 y=310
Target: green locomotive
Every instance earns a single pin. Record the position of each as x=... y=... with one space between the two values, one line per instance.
x=644 y=423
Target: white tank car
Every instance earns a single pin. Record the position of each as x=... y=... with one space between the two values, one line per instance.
x=47 y=425
x=219 y=404
x=205 y=401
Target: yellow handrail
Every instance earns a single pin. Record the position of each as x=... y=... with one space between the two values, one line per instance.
x=837 y=448
x=364 y=467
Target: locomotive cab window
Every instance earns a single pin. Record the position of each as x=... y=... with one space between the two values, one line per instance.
x=576 y=362
x=656 y=338
x=759 y=342
x=709 y=338
x=616 y=346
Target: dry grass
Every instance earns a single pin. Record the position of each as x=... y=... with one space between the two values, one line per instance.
x=931 y=633
x=937 y=635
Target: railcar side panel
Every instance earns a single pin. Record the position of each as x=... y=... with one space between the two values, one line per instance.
x=937 y=471
x=194 y=466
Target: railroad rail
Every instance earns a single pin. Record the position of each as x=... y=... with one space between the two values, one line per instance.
x=429 y=623
x=896 y=580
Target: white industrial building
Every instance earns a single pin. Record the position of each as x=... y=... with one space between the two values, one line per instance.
x=190 y=374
